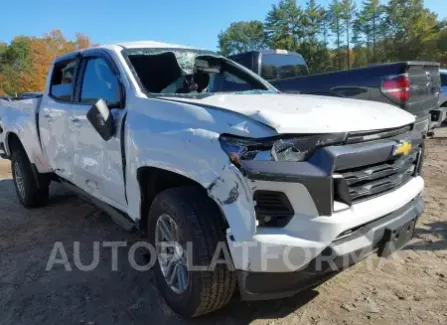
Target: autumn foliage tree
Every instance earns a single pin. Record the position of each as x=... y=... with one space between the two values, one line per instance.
x=25 y=62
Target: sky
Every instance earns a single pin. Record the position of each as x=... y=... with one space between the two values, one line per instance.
x=187 y=22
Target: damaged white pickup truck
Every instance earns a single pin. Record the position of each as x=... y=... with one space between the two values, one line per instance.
x=199 y=151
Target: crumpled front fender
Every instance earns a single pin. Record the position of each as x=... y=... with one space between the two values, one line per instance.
x=231 y=192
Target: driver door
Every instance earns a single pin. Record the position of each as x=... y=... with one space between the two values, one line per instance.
x=98 y=164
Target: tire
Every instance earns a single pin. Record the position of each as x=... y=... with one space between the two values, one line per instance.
x=31 y=190
x=199 y=222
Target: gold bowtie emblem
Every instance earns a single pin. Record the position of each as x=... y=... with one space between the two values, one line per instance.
x=403 y=148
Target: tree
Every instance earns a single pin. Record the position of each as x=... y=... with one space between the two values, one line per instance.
x=336 y=25
x=312 y=48
x=325 y=25
x=372 y=12
x=16 y=64
x=361 y=57
x=283 y=25
x=317 y=56
x=370 y=24
x=25 y=62
x=348 y=13
x=411 y=27
x=17 y=53
x=3 y=47
x=442 y=46
x=312 y=19
x=242 y=36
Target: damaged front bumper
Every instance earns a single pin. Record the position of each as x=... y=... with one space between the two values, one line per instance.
x=328 y=215
x=337 y=256
x=290 y=248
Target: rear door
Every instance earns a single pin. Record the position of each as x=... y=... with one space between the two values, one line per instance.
x=425 y=85
x=98 y=164
x=53 y=117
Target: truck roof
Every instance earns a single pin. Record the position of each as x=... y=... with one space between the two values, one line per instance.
x=126 y=45
x=268 y=51
x=148 y=44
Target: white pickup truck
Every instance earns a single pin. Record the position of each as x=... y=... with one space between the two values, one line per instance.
x=196 y=149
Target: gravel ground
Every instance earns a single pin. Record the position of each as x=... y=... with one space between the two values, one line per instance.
x=409 y=288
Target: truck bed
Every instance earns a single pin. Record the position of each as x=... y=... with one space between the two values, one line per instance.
x=19 y=117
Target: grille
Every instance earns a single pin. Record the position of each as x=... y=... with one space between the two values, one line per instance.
x=367 y=181
x=363 y=136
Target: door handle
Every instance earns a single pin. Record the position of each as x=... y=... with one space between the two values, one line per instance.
x=76 y=121
x=47 y=116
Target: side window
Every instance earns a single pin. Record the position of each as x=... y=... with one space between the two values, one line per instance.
x=62 y=80
x=243 y=59
x=279 y=66
x=225 y=82
x=443 y=79
x=99 y=83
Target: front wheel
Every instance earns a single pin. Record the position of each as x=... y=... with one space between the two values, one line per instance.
x=182 y=219
x=31 y=190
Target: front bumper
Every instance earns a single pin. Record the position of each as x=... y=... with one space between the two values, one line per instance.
x=293 y=247
x=338 y=255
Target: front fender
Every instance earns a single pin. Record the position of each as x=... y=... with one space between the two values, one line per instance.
x=196 y=154
x=184 y=139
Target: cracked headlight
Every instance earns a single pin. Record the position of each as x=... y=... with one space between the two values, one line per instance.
x=284 y=148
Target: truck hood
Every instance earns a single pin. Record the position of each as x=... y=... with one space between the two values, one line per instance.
x=308 y=113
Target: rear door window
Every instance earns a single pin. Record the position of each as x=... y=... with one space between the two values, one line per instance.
x=282 y=66
x=62 y=80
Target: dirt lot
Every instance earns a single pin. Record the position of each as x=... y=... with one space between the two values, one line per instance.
x=410 y=288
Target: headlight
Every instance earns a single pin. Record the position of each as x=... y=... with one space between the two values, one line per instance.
x=286 y=148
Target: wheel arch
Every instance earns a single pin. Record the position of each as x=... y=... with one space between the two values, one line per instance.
x=153 y=180
x=13 y=142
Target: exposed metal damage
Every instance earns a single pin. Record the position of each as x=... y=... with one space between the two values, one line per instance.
x=231 y=192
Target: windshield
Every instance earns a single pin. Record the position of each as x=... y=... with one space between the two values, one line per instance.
x=186 y=72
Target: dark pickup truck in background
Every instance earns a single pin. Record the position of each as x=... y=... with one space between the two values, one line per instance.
x=413 y=86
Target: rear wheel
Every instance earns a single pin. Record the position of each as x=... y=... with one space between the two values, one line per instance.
x=187 y=215
x=31 y=189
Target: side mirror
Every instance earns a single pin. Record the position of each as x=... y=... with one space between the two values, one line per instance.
x=101 y=119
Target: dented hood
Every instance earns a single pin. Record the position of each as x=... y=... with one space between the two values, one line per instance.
x=308 y=113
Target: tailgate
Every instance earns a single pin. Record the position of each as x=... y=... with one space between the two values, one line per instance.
x=425 y=84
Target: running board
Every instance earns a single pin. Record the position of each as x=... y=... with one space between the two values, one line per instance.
x=117 y=216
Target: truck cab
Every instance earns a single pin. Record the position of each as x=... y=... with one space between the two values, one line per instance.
x=273 y=65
